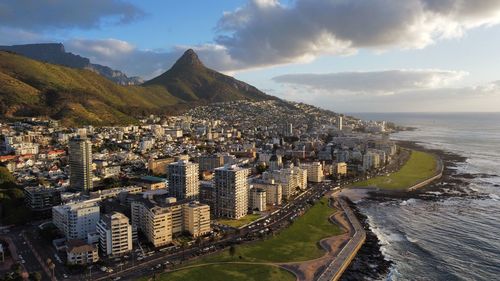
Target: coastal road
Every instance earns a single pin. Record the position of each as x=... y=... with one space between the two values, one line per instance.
x=339 y=264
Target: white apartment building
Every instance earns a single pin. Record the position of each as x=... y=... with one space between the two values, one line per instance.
x=183 y=181
x=115 y=234
x=78 y=219
x=231 y=192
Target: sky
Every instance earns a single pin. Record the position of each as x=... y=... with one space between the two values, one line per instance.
x=344 y=55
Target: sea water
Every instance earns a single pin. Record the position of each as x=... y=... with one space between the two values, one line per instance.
x=457 y=238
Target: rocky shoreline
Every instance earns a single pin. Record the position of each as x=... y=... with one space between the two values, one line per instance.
x=370 y=263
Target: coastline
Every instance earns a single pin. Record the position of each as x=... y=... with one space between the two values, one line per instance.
x=370 y=263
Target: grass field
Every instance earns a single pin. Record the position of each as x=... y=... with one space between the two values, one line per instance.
x=419 y=167
x=240 y=272
x=299 y=242
x=241 y=222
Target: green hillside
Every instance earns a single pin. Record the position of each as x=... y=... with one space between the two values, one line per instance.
x=30 y=88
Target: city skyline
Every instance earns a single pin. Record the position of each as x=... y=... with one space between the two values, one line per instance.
x=413 y=57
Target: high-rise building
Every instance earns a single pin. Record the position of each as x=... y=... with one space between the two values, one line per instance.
x=80 y=164
x=115 y=234
x=183 y=181
x=77 y=220
x=339 y=122
x=231 y=192
x=196 y=218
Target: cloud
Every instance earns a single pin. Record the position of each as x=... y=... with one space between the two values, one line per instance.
x=124 y=56
x=433 y=93
x=262 y=33
x=378 y=82
x=43 y=15
x=267 y=32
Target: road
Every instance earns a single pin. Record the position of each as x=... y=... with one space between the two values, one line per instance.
x=339 y=264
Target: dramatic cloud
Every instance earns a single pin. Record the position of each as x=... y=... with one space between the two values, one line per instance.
x=267 y=32
x=62 y=14
x=378 y=82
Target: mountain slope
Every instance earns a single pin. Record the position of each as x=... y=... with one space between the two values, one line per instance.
x=56 y=54
x=190 y=80
x=32 y=88
x=29 y=88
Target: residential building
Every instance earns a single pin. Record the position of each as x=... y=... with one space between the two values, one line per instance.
x=314 y=171
x=80 y=253
x=76 y=220
x=231 y=192
x=183 y=181
x=274 y=192
x=80 y=164
x=153 y=221
x=257 y=199
x=340 y=169
x=40 y=198
x=159 y=166
x=210 y=162
x=196 y=218
x=115 y=234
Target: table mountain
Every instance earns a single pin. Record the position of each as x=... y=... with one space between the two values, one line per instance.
x=56 y=54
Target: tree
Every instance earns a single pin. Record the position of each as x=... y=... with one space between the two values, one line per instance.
x=232 y=250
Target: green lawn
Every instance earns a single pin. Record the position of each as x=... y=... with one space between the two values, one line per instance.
x=299 y=242
x=240 y=272
x=419 y=167
x=241 y=222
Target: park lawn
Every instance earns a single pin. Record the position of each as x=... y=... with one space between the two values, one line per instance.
x=419 y=167
x=298 y=242
x=241 y=222
x=216 y=272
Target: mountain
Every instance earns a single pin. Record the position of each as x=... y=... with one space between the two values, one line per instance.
x=56 y=54
x=190 y=80
x=30 y=88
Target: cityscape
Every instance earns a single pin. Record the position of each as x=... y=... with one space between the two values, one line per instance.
x=251 y=140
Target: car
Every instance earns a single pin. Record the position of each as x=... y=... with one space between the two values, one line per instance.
x=65 y=275
x=103 y=268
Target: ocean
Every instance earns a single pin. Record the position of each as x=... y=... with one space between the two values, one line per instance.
x=456 y=238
